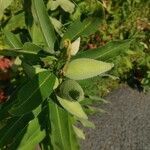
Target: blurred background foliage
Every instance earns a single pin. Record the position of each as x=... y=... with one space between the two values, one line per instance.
x=124 y=19
x=120 y=19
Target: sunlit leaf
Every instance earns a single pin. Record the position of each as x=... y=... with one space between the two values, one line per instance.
x=57 y=25
x=62 y=134
x=73 y=107
x=107 y=52
x=79 y=132
x=17 y=21
x=87 y=123
x=3 y=5
x=31 y=135
x=42 y=19
x=66 y=5
x=36 y=34
x=12 y=40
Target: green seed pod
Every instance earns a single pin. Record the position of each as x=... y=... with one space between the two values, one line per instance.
x=84 y=68
x=71 y=90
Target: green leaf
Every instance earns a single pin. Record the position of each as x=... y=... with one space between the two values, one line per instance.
x=62 y=133
x=34 y=93
x=3 y=5
x=99 y=99
x=31 y=71
x=79 y=132
x=32 y=53
x=107 y=52
x=28 y=49
x=78 y=28
x=41 y=16
x=36 y=34
x=12 y=128
x=84 y=68
x=32 y=135
x=31 y=47
x=17 y=21
x=12 y=40
x=17 y=52
x=93 y=100
x=5 y=107
x=87 y=123
x=94 y=110
x=66 y=5
x=48 y=60
x=57 y=25
x=52 y=5
x=19 y=49
x=92 y=8
x=72 y=107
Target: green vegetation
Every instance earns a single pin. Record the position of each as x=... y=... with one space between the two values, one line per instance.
x=58 y=58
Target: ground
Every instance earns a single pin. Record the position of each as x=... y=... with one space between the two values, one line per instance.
x=124 y=126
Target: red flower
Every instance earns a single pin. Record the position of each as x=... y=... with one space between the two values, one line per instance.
x=3 y=96
x=5 y=64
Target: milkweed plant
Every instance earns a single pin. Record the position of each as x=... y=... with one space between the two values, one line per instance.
x=47 y=102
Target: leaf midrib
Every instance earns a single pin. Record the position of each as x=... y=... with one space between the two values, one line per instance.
x=37 y=15
x=70 y=134
x=28 y=141
x=108 y=51
x=11 y=128
x=80 y=31
x=59 y=125
x=34 y=92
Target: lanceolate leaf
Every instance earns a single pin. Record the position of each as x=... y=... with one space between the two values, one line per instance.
x=12 y=40
x=31 y=71
x=28 y=49
x=72 y=107
x=17 y=52
x=78 y=28
x=62 y=133
x=79 y=132
x=36 y=34
x=41 y=17
x=30 y=135
x=109 y=51
x=57 y=25
x=31 y=47
x=87 y=123
x=12 y=128
x=17 y=21
x=5 y=107
x=66 y=5
x=34 y=92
